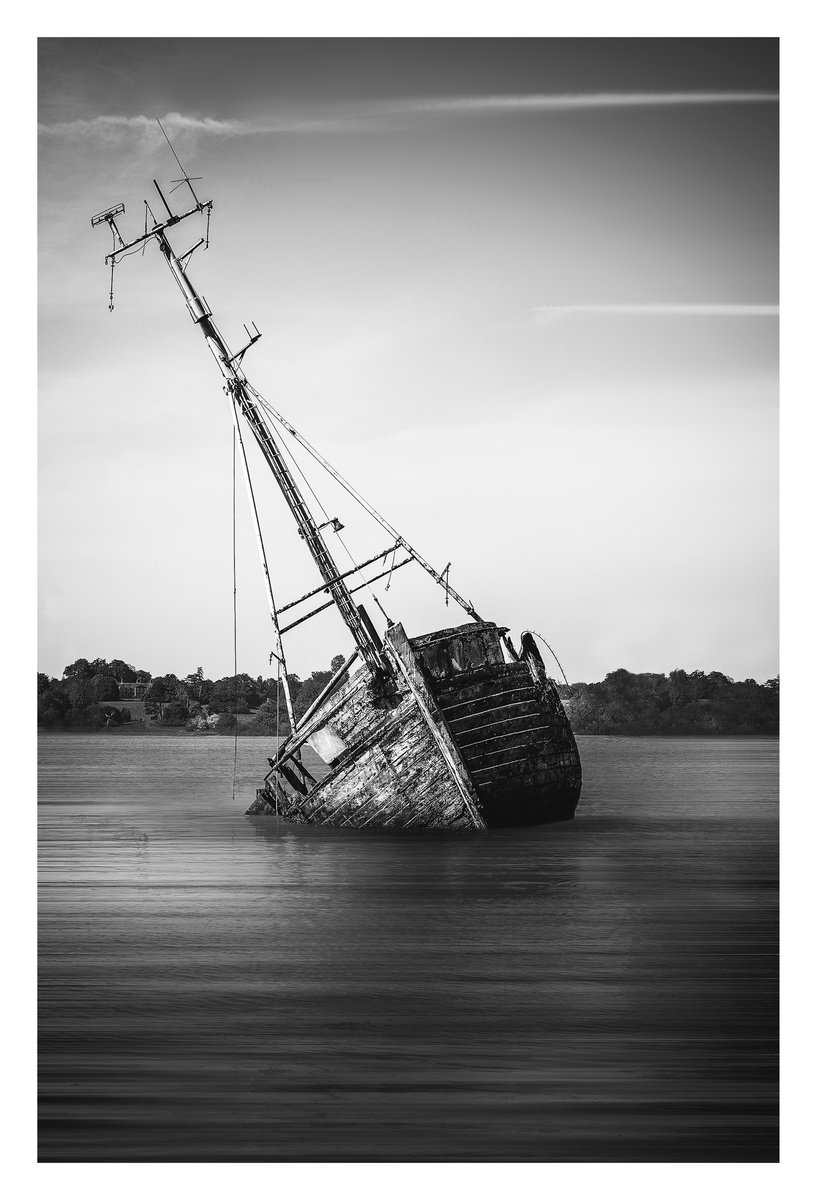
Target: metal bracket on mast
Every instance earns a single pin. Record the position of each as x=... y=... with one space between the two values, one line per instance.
x=254 y=337
x=110 y=215
x=184 y=259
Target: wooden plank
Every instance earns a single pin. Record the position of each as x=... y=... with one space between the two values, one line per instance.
x=403 y=656
x=392 y=775
x=479 y=733
x=478 y=718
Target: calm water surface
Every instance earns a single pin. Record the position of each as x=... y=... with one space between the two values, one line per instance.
x=215 y=987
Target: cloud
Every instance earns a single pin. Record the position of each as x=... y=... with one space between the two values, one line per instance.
x=109 y=128
x=345 y=119
x=546 y=314
x=566 y=102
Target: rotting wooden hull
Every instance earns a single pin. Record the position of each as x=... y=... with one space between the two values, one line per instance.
x=462 y=740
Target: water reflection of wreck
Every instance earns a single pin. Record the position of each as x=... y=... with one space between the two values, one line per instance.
x=451 y=730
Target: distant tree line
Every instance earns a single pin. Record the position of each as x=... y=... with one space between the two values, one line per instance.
x=87 y=698
x=77 y=701
x=678 y=703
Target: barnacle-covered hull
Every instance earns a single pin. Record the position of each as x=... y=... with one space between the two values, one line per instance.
x=460 y=738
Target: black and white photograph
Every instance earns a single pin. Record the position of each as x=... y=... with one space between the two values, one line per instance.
x=408 y=667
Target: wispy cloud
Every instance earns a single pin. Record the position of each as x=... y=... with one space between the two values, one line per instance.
x=342 y=118
x=110 y=128
x=546 y=314
x=564 y=102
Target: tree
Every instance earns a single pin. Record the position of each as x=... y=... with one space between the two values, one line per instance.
x=176 y=713
x=684 y=703
x=104 y=687
x=80 y=692
x=167 y=701
x=198 y=687
x=228 y=696
x=123 y=672
x=52 y=702
x=310 y=691
x=157 y=697
x=234 y=693
x=80 y=669
x=271 y=719
x=164 y=698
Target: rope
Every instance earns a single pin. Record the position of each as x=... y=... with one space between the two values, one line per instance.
x=286 y=450
x=391 y=568
x=296 y=465
x=235 y=638
x=113 y=264
x=277 y=726
x=552 y=651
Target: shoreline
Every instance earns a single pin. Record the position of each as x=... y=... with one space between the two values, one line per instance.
x=137 y=729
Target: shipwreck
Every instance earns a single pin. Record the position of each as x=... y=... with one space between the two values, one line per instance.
x=455 y=729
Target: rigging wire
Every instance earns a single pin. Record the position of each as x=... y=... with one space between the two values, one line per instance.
x=553 y=652
x=278 y=653
x=369 y=508
x=286 y=450
x=235 y=637
x=117 y=259
x=277 y=726
x=170 y=144
x=299 y=469
x=391 y=568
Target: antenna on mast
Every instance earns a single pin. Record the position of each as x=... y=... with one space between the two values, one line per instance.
x=178 y=182
x=121 y=248
x=110 y=215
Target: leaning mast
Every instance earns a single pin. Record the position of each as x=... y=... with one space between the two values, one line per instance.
x=240 y=393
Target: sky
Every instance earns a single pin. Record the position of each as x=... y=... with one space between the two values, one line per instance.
x=523 y=293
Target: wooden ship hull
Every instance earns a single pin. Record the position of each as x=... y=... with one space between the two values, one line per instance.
x=461 y=738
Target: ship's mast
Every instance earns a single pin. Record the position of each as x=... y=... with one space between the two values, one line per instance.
x=236 y=386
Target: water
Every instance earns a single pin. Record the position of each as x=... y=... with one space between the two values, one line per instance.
x=215 y=987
